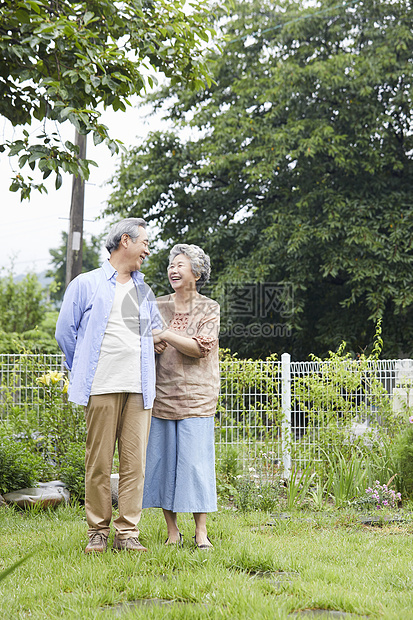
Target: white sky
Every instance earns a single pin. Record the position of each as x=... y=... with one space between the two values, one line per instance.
x=29 y=229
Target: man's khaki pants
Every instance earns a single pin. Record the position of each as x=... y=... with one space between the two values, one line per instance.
x=109 y=418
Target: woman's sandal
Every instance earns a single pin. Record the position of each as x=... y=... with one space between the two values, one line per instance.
x=178 y=543
x=203 y=547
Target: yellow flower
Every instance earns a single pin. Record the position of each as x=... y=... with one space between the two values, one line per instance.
x=44 y=379
x=55 y=376
x=65 y=386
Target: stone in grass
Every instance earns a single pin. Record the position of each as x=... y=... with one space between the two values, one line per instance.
x=45 y=495
x=114 y=488
x=123 y=608
x=279 y=579
x=285 y=516
x=320 y=613
x=380 y=519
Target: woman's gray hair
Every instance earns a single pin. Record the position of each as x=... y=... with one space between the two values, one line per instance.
x=129 y=226
x=200 y=262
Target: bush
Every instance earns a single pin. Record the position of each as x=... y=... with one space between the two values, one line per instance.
x=72 y=471
x=48 y=422
x=404 y=456
x=339 y=393
x=18 y=467
x=251 y=495
x=228 y=469
x=378 y=497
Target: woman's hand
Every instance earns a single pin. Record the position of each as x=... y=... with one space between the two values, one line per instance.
x=160 y=347
x=159 y=344
x=157 y=336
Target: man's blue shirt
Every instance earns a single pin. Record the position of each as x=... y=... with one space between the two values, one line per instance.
x=82 y=323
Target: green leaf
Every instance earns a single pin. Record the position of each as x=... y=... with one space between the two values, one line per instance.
x=97 y=138
x=34 y=6
x=66 y=112
x=22 y=16
x=16 y=147
x=88 y=17
x=22 y=160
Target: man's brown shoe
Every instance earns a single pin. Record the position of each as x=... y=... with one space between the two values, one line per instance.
x=98 y=543
x=128 y=544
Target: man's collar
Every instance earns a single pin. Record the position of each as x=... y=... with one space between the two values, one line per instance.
x=110 y=271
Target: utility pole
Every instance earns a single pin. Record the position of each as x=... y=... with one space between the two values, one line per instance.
x=75 y=237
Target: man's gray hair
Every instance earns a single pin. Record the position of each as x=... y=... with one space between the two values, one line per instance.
x=200 y=262
x=129 y=226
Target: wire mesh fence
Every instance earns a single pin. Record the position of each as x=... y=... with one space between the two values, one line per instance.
x=271 y=412
x=249 y=413
x=19 y=374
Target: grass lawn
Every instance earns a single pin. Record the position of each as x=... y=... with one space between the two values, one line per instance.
x=312 y=561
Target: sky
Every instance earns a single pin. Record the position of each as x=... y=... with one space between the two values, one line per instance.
x=29 y=229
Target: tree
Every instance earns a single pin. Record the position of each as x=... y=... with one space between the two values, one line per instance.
x=91 y=260
x=298 y=173
x=21 y=302
x=25 y=321
x=60 y=60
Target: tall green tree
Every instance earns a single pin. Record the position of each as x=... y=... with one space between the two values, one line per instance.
x=27 y=324
x=62 y=59
x=298 y=172
x=91 y=260
x=21 y=302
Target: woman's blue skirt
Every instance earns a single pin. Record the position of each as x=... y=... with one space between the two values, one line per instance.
x=180 y=466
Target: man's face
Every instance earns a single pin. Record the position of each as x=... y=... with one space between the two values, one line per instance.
x=138 y=249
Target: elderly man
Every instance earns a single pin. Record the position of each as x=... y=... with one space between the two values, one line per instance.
x=105 y=331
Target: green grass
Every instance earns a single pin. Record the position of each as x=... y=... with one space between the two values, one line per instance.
x=312 y=561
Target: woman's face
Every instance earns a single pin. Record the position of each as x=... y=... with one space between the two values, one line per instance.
x=180 y=274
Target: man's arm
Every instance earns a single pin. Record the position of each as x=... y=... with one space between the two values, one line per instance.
x=68 y=322
x=156 y=319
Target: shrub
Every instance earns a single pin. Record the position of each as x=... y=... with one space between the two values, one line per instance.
x=252 y=495
x=18 y=467
x=403 y=449
x=228 y=468
x=48 y=422
x=338 y=393
x=72 y=470
x=380 y=496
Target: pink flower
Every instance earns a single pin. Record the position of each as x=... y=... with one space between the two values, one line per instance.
x=411 y=419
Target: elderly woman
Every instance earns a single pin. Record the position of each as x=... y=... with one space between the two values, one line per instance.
x=180 y=466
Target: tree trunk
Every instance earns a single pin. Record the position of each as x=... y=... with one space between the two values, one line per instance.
x=75 y=237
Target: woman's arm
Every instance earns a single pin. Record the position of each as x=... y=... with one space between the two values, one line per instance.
x=184 y=344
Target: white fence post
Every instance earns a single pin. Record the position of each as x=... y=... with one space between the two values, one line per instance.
x=286 y=412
